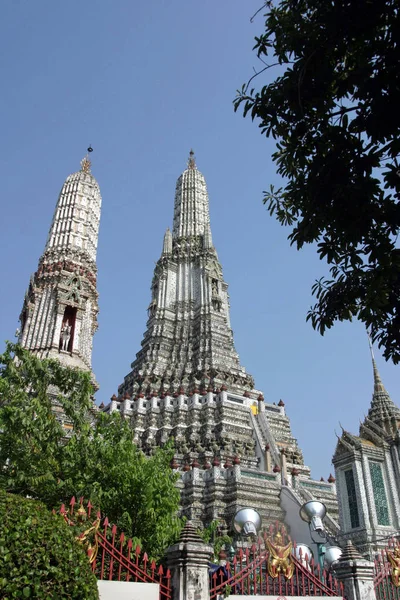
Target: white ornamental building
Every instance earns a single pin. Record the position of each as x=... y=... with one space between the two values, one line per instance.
x=233 y=449
x=59 y=314
x=367 y=469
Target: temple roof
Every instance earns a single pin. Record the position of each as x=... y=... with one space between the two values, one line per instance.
x=382 y=421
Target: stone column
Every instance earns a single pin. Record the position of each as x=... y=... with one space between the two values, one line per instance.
x=188 y=561
x=268 y=461
x=284 y=474
x=356 y=573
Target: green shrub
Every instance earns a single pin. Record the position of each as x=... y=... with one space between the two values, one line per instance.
x=39 y=556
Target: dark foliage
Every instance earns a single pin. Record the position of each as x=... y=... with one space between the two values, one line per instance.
x=333 y=109
x=95 y=458
x=39 y=556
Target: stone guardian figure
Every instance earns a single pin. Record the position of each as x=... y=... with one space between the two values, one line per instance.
x=65 y=335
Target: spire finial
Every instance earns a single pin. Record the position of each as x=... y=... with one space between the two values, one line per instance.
x=86 y=163
x=378 y=385
x=370 y=345
x=192 y=161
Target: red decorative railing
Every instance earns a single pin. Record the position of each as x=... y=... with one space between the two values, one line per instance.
x=249 y=573
x=387 y=572
x=111 y=555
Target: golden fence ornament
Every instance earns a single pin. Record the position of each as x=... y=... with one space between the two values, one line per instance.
x=86 y=537
x=394 y=559
x=83 y=538
x=279 y=559
x=111 y=556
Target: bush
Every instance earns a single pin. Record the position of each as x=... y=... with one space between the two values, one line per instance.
x=39 y=556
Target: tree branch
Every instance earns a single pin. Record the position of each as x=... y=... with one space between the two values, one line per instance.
x=259 y=10
x=259 y=73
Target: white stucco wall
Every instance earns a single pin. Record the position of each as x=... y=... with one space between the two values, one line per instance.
x=122 y=590
x=278 y=597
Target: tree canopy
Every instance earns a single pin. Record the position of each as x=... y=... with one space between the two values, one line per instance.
x=332 y=105
x=96 y=458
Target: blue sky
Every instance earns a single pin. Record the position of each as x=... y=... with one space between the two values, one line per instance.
x=143 y=82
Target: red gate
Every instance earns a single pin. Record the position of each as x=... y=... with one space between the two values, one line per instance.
x=112 y=556
x=387 y=572
x=272 y=570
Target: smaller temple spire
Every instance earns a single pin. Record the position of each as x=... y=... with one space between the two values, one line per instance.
x=207 y=239
x=383 y=411
x=192 y=161
x=167 y=245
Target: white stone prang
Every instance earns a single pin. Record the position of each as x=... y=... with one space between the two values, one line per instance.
x=59 y=314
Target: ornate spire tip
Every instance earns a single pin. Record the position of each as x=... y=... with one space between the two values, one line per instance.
x=192 y=161
x=86 y=163
x=378 y=385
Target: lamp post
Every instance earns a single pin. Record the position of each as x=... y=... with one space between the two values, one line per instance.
x=304 y=554
x=313 y=512
x=247 y=521
x=332 y=554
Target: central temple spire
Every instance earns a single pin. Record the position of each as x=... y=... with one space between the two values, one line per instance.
x=187 y=384
x=189 y=340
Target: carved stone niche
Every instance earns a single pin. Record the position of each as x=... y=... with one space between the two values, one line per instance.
x=66 y=342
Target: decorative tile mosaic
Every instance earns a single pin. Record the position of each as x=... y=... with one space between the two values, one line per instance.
x=378 y=485
x=352 y=498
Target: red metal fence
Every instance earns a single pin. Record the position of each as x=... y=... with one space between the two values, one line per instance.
x=259 y=571
x=269 y=567
x=387 y=572
x=112 y=555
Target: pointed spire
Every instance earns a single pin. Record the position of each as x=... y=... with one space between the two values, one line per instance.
x=167 y=244
x=77 y=228
x=383 y=411
x=192 y=161
x=207 y=239
x=191 y=211
x=378 y=385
